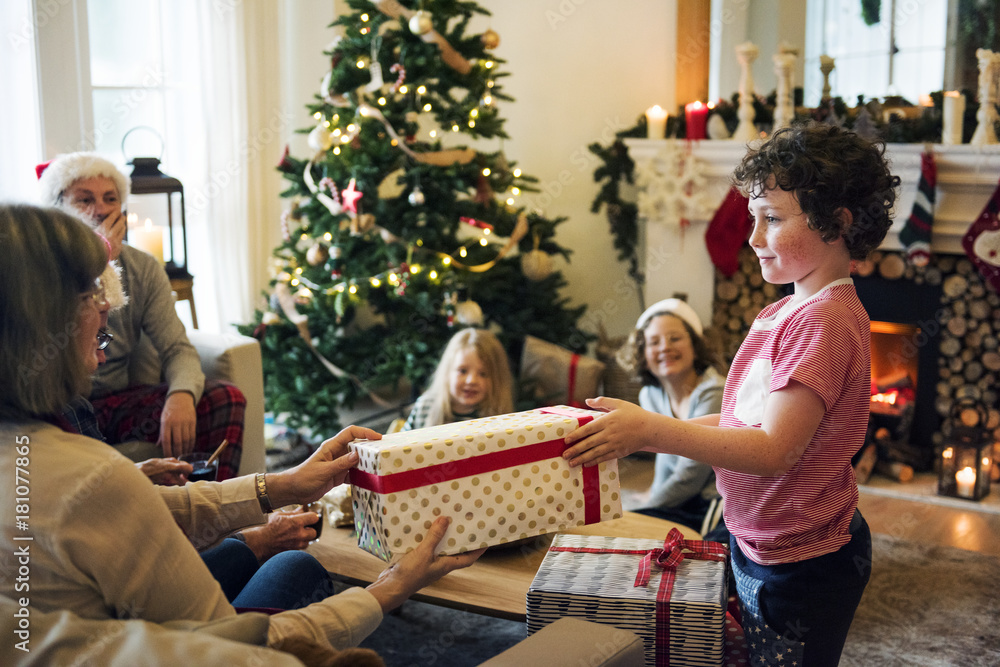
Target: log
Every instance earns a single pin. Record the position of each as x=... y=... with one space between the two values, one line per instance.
x=897 y=471
x=892 y=267
x=954 y=286
x=727 y=291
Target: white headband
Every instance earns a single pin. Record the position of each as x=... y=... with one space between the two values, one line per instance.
x=672 y=307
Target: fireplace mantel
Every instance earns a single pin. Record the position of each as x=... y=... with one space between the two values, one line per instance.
x=679 y=262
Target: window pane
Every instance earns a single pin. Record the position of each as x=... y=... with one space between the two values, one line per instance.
x=124 y=41
x=116 y=111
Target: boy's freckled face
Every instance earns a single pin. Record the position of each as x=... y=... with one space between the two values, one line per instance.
x=789 y=251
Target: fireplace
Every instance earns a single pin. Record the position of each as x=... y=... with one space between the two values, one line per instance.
x=935 y=340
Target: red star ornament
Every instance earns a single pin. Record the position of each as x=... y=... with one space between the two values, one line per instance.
x=350 y=197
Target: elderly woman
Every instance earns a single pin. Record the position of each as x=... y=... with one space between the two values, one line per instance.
x=105 y=542
x=184 y=414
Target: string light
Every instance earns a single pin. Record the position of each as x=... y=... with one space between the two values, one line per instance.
x=434 y=134
x=427 y=107
x=510 y=201
x=515 y=191
x=490 y=64
x=415 y=269
x=295 y=282
x=353 y=289
x=336 y=150
x=403 y=89
x=328 y=236
x=364 y=17
x=381 y=101
x=360 y=63
x=474 y=113
x=446 y=261
x=462 y=252
x=317 y=115
x=284 y=276
x=472 y=123
x=375 y=281
x=483 y=242
x=336 y=132
x=433 y=274
x=486 y=171
x=298 y=269
x=517 y=173
x=422 y=90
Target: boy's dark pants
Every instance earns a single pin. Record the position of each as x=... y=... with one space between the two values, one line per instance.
x=799 y=613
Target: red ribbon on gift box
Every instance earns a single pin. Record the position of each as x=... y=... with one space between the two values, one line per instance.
x=478 y=465
x=667 y=559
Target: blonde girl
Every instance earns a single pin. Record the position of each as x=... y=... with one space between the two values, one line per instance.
x=472 y=380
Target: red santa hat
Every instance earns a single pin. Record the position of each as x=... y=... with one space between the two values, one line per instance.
x=55 y=176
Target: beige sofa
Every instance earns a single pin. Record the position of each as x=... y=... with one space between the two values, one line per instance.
x=230 y=357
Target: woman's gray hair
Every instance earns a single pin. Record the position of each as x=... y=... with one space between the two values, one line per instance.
x=49 y=260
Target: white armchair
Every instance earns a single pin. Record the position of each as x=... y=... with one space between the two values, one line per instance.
x=230 y=357
x=235 y=358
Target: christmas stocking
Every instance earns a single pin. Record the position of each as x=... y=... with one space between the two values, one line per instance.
x=982 y=241
x=728 y=231
x=916 y=234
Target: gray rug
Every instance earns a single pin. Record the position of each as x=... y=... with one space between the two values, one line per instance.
x=925 y=606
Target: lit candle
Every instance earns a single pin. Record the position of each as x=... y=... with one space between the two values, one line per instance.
x=953 y=115
x=966 y=480
x=656 y=122
x=696 y=115
x=148 y=238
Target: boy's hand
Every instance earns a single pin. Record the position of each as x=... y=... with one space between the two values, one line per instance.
x=611 y=436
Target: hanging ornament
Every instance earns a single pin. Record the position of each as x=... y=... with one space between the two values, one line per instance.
x=449 y=306
x=317 y=254
x=400 y=73
x=484 y=191
x=375 y=69
x=350 y=197
x=536 y=264
x=320 y=139
x=421 y=23
x=490 y=39
x=416 y=197
x=286 y=233
x=469 y=313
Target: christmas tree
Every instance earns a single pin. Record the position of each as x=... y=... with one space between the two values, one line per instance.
x=397 y=231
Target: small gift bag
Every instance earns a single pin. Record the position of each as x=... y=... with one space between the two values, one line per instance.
x=673 y=594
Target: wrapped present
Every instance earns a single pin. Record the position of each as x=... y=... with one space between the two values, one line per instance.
x=500 y=479
x=557 y=375
x=673 y=595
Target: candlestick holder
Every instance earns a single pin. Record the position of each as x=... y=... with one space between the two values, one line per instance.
x=987 y=114
x=784 y=107
x=746 y=53
x=826 y=65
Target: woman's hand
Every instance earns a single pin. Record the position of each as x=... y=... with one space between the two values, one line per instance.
x=610 y=436
x=284 y=531
x=177 y=424
x=165 y=472
x=419 y=568
x=325 y=469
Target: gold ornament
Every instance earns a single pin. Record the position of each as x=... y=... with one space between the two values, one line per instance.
x=536 y=265
x=420 y=23
x=490 y=39
x=317 y=254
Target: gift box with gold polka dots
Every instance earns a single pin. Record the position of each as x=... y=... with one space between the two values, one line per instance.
x=500 y=479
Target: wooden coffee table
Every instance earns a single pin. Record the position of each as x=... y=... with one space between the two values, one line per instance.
x=495 y=585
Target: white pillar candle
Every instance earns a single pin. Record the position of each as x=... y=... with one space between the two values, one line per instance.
x=953 y=115
x=656 y=122
x=148 y=238
x=966 y=481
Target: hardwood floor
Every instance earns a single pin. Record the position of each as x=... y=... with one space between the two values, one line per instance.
x=915 y=520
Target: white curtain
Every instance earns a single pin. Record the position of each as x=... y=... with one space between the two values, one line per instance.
x=19 y=127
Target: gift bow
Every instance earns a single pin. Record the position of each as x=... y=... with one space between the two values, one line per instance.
x=671 y=555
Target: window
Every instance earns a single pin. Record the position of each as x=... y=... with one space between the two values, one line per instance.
x=903 y=54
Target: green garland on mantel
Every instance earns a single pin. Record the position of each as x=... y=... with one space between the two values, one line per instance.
x=617 y=168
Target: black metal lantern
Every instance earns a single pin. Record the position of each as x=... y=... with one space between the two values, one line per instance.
x=966 y=456
x=147 y=179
